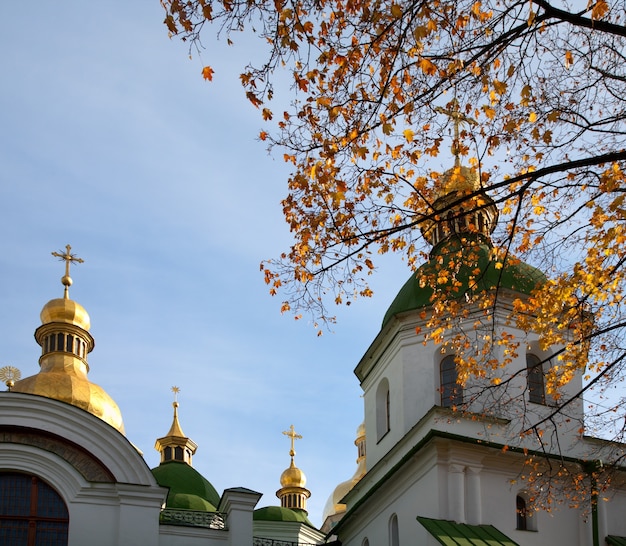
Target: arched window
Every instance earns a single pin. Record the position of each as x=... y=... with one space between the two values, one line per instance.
x=31 y=512
x=383 y=407
x=451 y=391
x=536 y=387
x=394 y=535
x=365 y=542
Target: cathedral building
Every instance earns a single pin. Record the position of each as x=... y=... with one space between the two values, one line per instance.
x=445 y=462
x=440 y=459
x=70 y=476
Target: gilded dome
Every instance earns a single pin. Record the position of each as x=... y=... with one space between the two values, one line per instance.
x=65 y=343
x=458 y=178
x=66 y=311
x=70 y=387
x=334 y=507
x=292 y=477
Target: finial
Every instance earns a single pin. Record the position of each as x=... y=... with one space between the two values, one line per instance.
x=9 y=374
x=294 y=436
x=175 y=390
x=454 y=113
x=68 y=258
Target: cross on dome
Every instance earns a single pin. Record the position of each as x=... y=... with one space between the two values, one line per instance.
x=294 y=436
x=68 y=258
x=455 y=114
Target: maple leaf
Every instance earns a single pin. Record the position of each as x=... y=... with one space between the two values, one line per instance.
x=207 y=73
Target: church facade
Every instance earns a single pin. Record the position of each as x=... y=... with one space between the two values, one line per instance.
x=70 y=477
x=458 y=462
x=440 y=459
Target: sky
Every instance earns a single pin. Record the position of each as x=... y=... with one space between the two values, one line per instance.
x=111 y=141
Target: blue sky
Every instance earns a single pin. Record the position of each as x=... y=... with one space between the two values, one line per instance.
x=113 y=143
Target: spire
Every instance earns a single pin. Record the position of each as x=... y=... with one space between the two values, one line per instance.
x=293 y=494
x=65 y=343
x=175 y=446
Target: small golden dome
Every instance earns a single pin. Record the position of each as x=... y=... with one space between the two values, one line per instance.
x=66 y=311
x=334 y=508
x=458 y=179
x=360 y=432
x=292 y=477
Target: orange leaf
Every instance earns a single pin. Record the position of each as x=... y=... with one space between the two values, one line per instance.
x=207 y=73
x=428 y=67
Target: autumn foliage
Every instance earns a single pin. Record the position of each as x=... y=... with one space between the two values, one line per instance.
x=538 y=92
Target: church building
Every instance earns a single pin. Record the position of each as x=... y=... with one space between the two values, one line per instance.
x=69 y=476
x=440 y=459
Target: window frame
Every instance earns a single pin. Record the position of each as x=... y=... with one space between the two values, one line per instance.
x=451 y=392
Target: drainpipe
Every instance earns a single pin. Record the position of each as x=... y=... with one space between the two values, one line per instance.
x=591 y=468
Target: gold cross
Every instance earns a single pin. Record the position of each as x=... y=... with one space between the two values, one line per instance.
x=455 y=114
x=294 y=436
x=175 y=390
x=69 y=258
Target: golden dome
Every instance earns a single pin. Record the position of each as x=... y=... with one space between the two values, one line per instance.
x=334 y=508
x=68 y=386
x=292 y=477
x=65 y=342
x=458 y=179
x=66 y=311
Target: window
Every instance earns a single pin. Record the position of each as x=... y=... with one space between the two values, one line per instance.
x=31 y=512
x=451 y=391
x=536 y=387
x=365 y=542
x=394 y=535
x=521 y=511
x=383 y=408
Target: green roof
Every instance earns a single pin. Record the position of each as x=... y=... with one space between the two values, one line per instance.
x=450 y=533
x=615 y=541
x=188 y=488
x=278 y=513
x=470 y=268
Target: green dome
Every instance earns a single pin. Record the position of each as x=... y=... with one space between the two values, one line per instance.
x=475 y=271
x=189 y=490
x=278 y=513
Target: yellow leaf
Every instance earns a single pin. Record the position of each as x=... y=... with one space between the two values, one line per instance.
x=569 y=59
x=489 y=112
x=396 y=11
x=532 y=117
x=499 y=86
x=408 y=134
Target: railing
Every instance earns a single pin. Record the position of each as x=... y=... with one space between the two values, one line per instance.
x=258 y=541
x=192 y=518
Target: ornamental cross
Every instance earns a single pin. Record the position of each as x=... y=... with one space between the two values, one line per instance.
x=68 y=258
x=175 y=390
x=294 y=436
x=455 y=114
